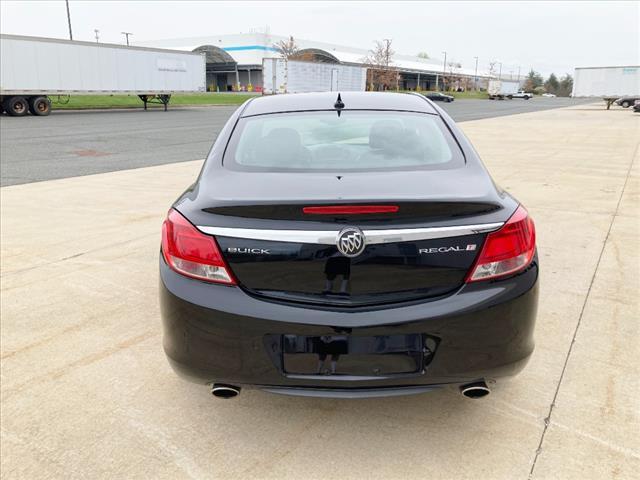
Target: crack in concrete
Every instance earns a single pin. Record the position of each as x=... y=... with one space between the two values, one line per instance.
x=547 y=419
x=76 y=255
x=80 y=362
x=601 y=441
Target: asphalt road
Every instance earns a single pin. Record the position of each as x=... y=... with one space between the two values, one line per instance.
x=75 y=143
x=465 y=110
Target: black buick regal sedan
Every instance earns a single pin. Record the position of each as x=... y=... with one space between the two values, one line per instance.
x=347 y=245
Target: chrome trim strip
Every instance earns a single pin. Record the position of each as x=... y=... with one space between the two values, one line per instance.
x=329 y=237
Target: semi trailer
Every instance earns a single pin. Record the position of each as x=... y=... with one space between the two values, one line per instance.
x=293 y=76
x=608 y=83
x=33 y=69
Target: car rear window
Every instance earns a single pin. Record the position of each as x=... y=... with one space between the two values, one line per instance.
x=351 y=141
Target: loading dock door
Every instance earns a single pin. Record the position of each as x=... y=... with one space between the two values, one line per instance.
x=334 y=79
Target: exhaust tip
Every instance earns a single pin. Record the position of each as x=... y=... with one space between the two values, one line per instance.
x=475 y=390
x=224 y=391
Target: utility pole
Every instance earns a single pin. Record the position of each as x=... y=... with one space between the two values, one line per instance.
x=69 y=21
x=444 y=70
x=475 y=77
x=518 y=73
x=500 y=73
x=97 y=36
x=126 y=34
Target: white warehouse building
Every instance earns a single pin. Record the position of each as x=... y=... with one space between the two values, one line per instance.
x=235 y=61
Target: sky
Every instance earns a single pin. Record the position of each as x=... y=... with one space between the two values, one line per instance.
x=546 y=36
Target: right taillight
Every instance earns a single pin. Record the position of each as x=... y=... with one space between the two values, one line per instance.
x=507 y=250
x=192 y=253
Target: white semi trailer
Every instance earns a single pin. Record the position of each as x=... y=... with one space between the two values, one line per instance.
x=608 y=83
x=32 y=69
x=293 y=76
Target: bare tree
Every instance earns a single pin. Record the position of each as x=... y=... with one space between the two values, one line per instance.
x=381 y=74
x=287 y=48
x=454 y=80
x=382 y=54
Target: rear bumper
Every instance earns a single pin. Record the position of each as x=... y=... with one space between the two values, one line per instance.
x=221 y=334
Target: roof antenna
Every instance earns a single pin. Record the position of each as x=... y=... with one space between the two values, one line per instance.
x=339 y=103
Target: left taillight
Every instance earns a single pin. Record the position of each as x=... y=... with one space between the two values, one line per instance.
x=192 y=253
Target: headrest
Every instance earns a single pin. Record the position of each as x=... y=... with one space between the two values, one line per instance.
x=385 y=133
x=281 y=146
x=287 y=137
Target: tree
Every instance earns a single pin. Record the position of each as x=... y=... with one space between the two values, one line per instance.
x=382 y=54
x=453 y=80
x=534 y=79
x=424 y=55
x=287 y=48
x=552 y=84
x=566 y=86
x=381 y=74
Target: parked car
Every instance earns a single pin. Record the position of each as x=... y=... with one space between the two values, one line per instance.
x=522 y=94
x=549 y=95
x=346 y=247
x=636 y=106
x=439 y=97
x=626 y=102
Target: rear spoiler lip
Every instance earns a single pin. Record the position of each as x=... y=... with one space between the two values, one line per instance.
x=372 y=236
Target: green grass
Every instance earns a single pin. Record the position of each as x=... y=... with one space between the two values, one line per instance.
x=468 y=94
x=78 y=102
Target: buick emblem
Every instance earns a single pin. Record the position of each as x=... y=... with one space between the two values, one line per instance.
x=350 y=242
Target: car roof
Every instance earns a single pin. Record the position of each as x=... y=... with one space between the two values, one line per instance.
x=296 y=102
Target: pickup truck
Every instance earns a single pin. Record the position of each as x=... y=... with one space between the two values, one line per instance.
x=522 y=94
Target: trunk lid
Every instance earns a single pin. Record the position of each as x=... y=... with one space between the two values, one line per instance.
x=321 y=274
x=295 y=266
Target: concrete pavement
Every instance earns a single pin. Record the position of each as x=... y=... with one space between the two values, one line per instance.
x=86 y=391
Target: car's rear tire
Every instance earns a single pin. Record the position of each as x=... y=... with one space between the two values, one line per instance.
x=16 y=106
x=625 y=104
x=510 y=97
x=40 y=106
x=527 y=97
